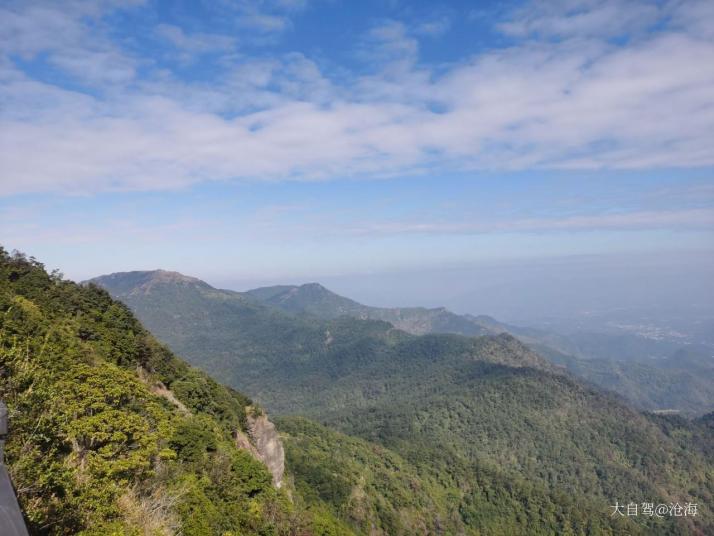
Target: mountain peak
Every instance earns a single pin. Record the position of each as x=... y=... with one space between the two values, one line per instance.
x=315 y=288
x=312 y=298
x=143 y=281
x=168 y=276
x=313 y=285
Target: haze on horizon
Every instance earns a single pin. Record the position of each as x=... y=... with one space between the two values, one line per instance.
x=521 y=159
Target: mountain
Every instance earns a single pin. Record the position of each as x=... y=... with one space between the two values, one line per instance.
x=219 y=329
x=110 y=433
x=514 y=443
x=651 y=374
x=316 y=300
x=261 y=325
x=311 y=298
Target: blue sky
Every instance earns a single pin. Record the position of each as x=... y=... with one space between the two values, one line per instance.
x=289 y=140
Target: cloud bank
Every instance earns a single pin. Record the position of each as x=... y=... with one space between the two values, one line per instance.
x=574 y=85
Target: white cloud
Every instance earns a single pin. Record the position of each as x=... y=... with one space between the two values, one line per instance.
x=389 y=42
x=96 y=66
x=693 y=16
x=198 y=43
x=265 y=17
x=28 y=27
x=264 y=22
x=434 y=27
x=574 y=103
x=581 y=18
x=61 y=31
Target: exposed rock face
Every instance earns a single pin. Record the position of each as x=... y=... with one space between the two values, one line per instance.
x=265 y=445
x=243 y=442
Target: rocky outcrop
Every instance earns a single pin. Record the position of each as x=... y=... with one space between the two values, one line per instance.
x=264 y=443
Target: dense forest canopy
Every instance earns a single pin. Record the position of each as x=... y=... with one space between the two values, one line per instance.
x=511 y=440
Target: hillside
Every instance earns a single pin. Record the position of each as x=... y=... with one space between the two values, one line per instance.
x=368 y=485
x=112 y=434
x=511 y=439
x=456 y=407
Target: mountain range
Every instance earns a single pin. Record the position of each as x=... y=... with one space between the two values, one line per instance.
x=374 y=430
x=182 y=310
x=505 y=440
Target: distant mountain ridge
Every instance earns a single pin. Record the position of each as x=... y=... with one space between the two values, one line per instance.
x=314 y=299
x=683 y=381
x=651 y=385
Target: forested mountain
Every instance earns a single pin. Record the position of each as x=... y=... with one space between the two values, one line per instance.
x=112 y=434
x=314 y=299
x=651 y=374
x=261 y=325
x=514 y=443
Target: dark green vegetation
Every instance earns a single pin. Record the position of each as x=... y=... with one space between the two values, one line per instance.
x=503 y=441
x=112 y=434
x=371 y=487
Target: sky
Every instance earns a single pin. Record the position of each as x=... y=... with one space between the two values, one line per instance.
x=400 y=150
